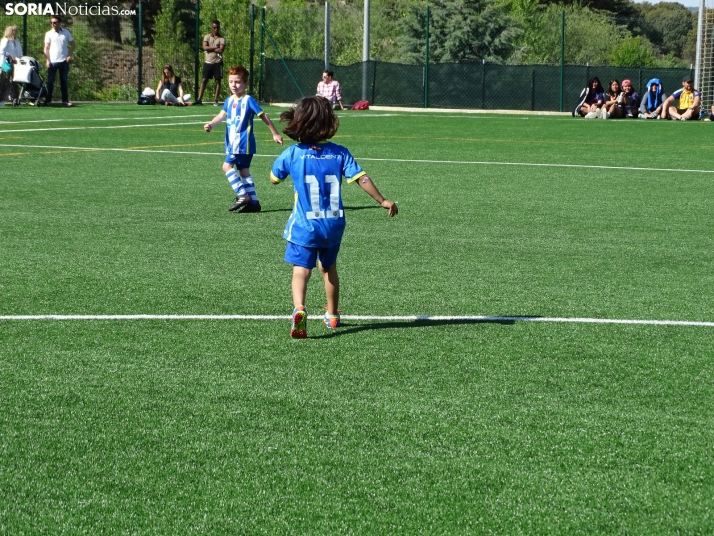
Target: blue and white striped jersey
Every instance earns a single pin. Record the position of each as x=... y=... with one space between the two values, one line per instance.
x=239 y=124
x=318 y=217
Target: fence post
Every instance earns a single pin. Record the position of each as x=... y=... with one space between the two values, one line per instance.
x=426 y=62
x=252 y=48
x=261 y=54
x=140 y=43
x=639 y=85
x=197 y=40
x=562 y=55
x=365 y=49
x=374 y=80
x=483 y=85
x=533 y=90
x=24 y=33
x=327 y=35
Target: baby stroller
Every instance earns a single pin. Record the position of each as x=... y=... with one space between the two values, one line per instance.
x=26 y=75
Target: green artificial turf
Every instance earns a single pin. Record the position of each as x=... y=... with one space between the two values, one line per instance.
x=383 y=426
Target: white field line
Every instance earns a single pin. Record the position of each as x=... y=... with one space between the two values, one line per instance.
x=408 y=318
x=367 y=159
x=102 y=127
x=67 y=120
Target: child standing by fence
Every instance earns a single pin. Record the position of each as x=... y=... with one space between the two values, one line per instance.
x=238 y=110
x=315 y=227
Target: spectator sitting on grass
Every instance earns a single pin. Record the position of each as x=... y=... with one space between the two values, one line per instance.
x=652 y=103
x=613 y=101
x=630 y=100
x=170 y=91
x=591 y=99
x=689 y=99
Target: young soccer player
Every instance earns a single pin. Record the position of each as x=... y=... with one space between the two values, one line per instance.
x=315 y=227
x=238 y=110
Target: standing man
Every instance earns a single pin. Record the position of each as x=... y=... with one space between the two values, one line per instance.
x=330 y=89
x=59 y=47
x=213 y=44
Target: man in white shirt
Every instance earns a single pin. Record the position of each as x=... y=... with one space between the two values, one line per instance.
x=59 y=47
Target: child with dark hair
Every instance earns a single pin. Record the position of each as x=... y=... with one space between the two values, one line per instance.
x=238 y=111
x=315 y=227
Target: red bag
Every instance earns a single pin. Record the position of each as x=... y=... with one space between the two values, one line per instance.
x=361 y=105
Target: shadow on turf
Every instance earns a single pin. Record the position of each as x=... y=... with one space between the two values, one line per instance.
x=349 y=328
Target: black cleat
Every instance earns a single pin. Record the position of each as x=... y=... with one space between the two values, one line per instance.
x=240 y=202
x=253 y=207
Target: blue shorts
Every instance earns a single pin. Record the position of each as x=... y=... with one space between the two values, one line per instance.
x=240 y=161
x=307 y=257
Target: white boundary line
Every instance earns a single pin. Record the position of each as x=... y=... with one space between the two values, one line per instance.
x=402 y=160
x=409 y=318
x=103 y=127
x=68 y=119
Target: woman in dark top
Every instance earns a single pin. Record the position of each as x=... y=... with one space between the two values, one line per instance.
x=169 y=90
x=612 y=108
x=591 y=99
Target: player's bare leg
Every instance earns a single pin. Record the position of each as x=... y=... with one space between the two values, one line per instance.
x=299 y=285
x=673 y=113
x=332 y=287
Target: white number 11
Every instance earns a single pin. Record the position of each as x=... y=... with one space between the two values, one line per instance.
x=314 y=186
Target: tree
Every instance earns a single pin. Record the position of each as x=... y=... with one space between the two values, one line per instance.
x=460 y=30
x=590 y=36
x=667 y=26
x=633 y=52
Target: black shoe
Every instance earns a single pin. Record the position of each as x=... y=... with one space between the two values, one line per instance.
x=240 y=202
x=198 y=102
x=253 y=207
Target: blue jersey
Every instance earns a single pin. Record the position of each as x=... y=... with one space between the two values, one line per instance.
x=239 y=124
x=318 y=217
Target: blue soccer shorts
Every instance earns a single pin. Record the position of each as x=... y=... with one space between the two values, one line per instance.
x=240 y=161
x=307 y=257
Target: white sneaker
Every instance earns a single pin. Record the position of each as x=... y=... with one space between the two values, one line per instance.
x=682 y=118
x=591 y=115
x=604 y=114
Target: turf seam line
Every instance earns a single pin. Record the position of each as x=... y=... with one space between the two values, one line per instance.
x=411 y=318
x=449 y=162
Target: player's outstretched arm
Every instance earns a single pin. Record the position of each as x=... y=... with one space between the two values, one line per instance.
x=215 y=121
x=368 y=186
x=277 y=138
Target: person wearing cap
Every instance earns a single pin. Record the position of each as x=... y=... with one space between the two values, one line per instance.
x=688 y=106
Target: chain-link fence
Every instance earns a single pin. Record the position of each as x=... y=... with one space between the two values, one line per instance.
x=119 y=53
x=454 y=85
